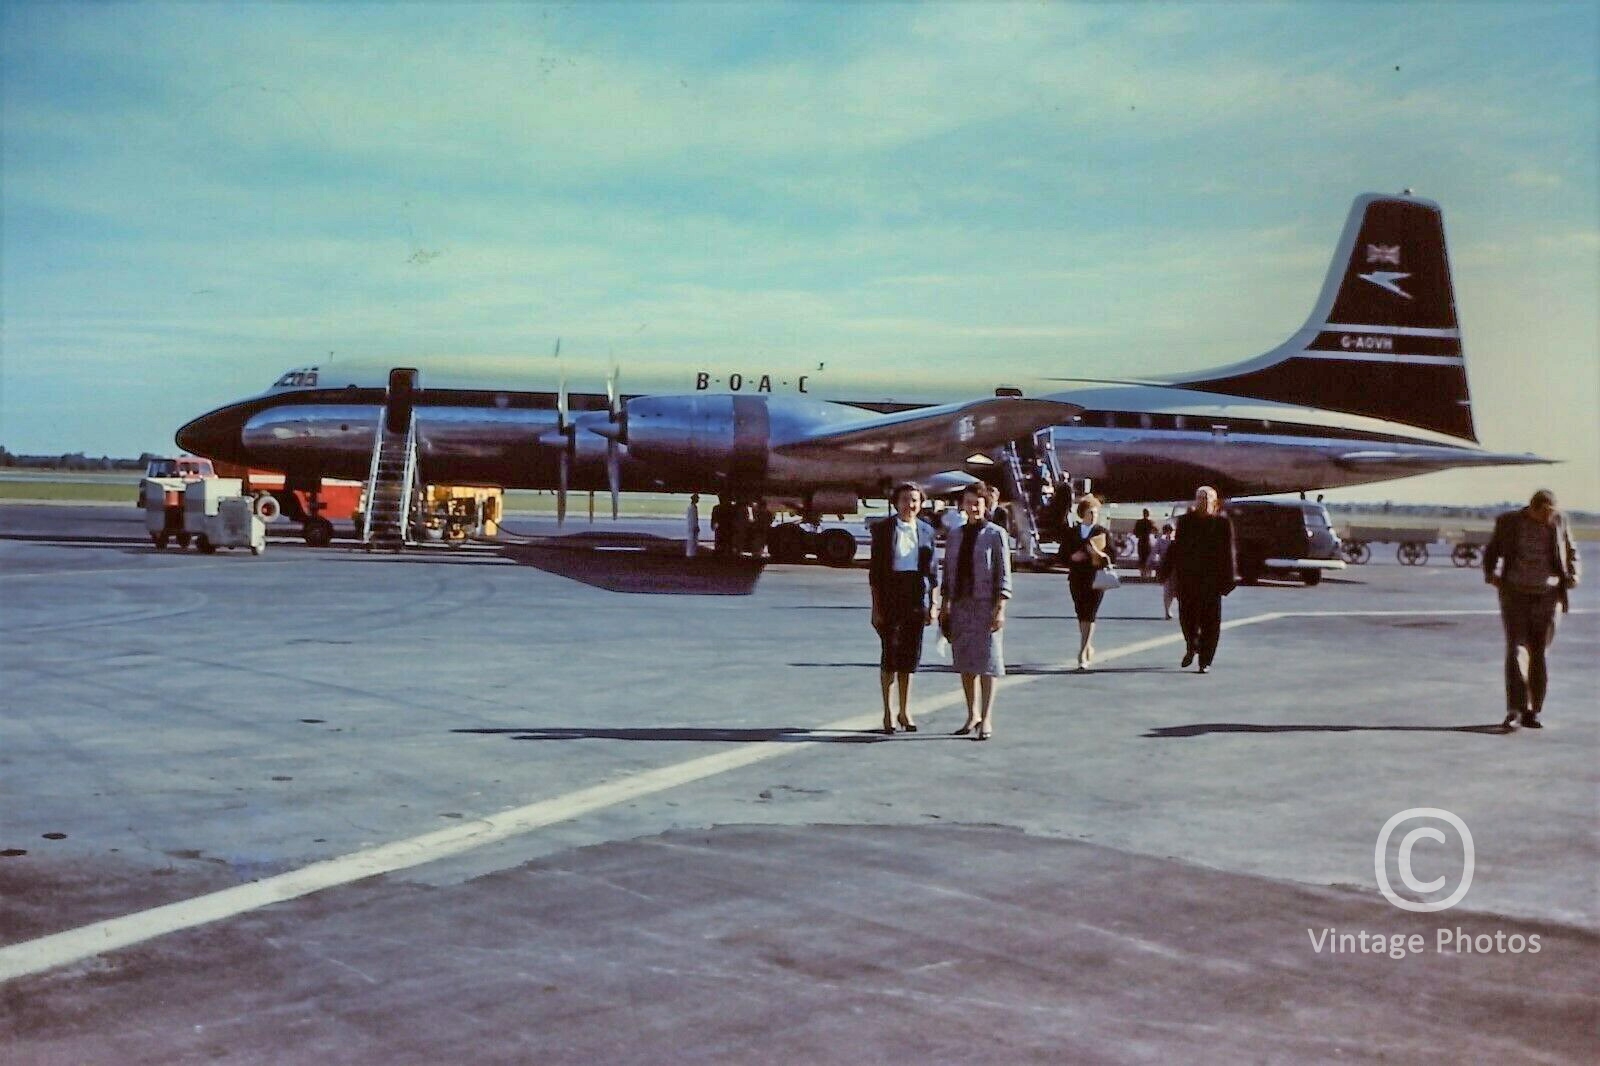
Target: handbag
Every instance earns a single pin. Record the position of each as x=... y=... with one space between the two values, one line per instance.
x=1106 y=579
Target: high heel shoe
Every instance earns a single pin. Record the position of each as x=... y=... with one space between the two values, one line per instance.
x=985 y=732
x=966 y=728
x=907 y=724
x=888 y=729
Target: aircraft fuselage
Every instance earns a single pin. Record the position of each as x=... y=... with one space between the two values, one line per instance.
x=1135 y=442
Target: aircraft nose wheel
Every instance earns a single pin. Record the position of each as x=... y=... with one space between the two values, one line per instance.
x=318 y=532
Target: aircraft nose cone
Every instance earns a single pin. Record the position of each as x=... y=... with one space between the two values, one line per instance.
x=214 y=436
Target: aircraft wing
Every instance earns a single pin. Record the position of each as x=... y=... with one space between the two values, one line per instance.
x=947 y=434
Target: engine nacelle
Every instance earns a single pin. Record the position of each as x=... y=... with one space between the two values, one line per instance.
x=728 y=434
x=834 y=501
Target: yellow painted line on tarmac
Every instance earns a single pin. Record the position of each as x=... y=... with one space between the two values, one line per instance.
x=74 y=945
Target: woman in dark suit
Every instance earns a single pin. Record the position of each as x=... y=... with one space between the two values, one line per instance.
x=1083 y=546
x=976 y=585
x=1201 y=562
x=904 y=575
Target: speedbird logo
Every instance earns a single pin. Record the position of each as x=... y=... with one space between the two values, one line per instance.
x=1387 y=280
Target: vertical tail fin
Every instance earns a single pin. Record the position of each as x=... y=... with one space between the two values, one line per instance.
x=1383 y=340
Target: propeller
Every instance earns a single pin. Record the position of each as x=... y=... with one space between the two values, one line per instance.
x=564 y=438
x=568 y=444
x=613 y=448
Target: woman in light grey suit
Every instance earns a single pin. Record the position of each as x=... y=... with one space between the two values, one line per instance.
x=976 y=584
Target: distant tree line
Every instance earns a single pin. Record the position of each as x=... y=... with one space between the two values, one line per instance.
x=71 y=461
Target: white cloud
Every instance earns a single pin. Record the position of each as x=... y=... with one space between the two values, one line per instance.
x=1535 y=178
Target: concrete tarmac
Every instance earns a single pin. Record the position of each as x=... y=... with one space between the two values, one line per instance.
x=590 y=802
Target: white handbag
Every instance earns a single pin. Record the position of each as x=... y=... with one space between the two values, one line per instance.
x=1105 y=579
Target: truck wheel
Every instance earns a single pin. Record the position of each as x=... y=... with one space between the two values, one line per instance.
x=183 y=540
x=203 y=542
x=787 y=543
x=1464 y=555
x=1412 y=554
x=1311 y=577
x=837 y=547
x=318 y=532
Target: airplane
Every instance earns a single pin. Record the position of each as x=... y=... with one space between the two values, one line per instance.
x=1372 y=387
x=792 y=450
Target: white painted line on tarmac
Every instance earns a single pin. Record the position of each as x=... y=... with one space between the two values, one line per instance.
x=1398 y=613
x=59 y=949
x=74 y=945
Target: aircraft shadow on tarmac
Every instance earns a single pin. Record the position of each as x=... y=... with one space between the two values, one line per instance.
x=1200 y=729
x=638 y=564
x=708 y=735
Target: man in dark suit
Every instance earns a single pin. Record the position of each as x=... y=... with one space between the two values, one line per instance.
x=1531 y=561
x=1200 y=560
x=903 y=574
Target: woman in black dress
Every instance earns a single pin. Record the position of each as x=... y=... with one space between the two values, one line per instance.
x=1083 y=546
x=903 y=574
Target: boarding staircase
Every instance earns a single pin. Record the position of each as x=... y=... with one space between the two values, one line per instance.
x=1031 y=476
x=391 y=486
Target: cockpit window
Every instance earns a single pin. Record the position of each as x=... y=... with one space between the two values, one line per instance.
x=303 y=378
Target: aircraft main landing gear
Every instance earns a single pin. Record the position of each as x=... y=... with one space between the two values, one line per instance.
x=318 y=532
x=791 y=542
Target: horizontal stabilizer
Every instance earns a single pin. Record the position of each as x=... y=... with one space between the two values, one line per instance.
x=948 y=483
x=935 y=435
x=1423 y=459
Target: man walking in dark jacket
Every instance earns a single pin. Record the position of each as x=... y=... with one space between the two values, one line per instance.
x=1200 y=562
x=1531 y=560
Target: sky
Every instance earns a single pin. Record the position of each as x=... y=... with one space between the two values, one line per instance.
x=195 y=197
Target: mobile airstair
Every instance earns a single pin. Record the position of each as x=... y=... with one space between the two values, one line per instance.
x=1031 y=476
x=392 y=476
